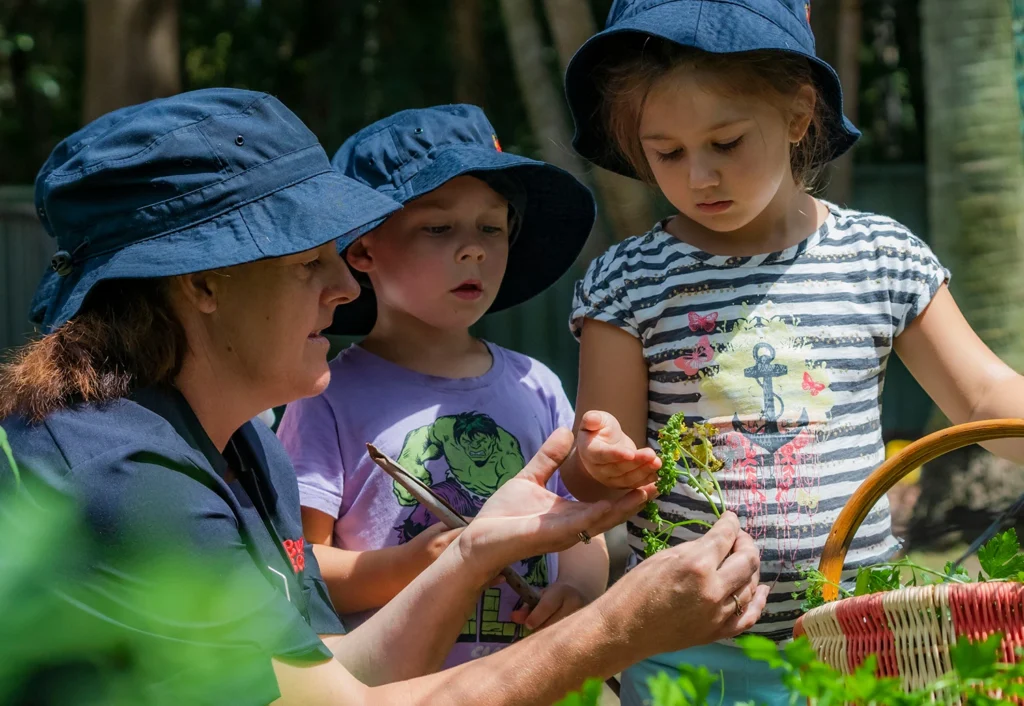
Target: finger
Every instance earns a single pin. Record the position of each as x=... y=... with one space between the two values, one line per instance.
x=599 y=452
x=739 y=567
x=551 y=455
x=595 y=420
x=566 y=609
x=520 y=614
x=719 y=540
x=648 y=456
x=753 y=611
x=550 y=602
x=636 y=477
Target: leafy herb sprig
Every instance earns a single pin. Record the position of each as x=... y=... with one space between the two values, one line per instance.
x=1001 y=559
x=691 y=447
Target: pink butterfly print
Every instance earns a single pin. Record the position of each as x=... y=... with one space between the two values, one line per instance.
x=705 y=323
x=701 y=355
x=809 y=384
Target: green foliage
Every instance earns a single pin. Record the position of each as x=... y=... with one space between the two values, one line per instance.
x=692 y=447
x=976 y=676
x=147 y=647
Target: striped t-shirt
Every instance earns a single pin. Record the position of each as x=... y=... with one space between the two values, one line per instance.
x=785 y=354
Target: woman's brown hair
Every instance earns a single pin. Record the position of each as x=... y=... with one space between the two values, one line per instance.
x=125 y=337
x=775 y=76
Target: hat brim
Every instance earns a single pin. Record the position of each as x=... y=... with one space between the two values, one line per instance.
x=560 y=213
x=714 y=30
x=305 y=215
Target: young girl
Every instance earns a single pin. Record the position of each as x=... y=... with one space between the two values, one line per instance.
x=757 y=308
x=481 y=230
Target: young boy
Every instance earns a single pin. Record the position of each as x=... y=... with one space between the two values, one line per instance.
x=481 y=230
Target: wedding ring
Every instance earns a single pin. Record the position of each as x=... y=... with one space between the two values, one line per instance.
x=584 y=537
x=739 y=606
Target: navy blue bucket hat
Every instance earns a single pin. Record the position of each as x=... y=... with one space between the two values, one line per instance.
x=413 y=152
x=715 y=26
x=197 y=181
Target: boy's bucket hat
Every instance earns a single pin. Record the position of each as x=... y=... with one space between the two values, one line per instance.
x=414 y=152
x=715 y=26
x=197 y=181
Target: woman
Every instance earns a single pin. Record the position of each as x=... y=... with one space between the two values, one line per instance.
x=199 y=260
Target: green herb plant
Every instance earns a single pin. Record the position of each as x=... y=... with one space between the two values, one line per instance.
x=691 y=447
x=1001 y=559
x=977 y=679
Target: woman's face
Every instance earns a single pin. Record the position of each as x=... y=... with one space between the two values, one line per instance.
x=263 y=321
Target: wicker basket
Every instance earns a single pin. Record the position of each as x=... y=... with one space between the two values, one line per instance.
x=912 y=629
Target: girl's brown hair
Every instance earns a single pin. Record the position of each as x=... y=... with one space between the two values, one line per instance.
x=775 y=76
x=125 y=337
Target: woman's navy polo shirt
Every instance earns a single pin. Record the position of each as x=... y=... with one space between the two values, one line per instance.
x=147 y=478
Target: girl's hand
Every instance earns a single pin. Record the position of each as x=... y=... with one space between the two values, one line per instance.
x=523 y=518
x=610 y=456
x=556 y=601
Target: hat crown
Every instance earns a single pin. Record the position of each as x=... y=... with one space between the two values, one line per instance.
x=386 y=154
x=791 y=15
x=151 y=168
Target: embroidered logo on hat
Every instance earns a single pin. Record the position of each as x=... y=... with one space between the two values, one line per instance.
x=497 y=145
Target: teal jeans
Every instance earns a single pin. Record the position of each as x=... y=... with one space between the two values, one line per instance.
x=745 y=679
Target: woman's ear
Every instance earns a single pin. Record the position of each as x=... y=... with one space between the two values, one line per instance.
x=199 y=289
x=359 y=256
x=802 y=113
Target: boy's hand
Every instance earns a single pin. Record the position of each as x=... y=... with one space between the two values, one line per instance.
x=556 y=601
x=423 y=549
x=610 y=456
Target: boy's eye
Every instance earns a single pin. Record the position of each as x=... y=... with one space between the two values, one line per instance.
x=670 y=156
x=437 y=230
x=492 y=230
x=728 y=146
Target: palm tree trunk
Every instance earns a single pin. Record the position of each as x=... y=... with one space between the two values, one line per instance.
x=545 y=106
x=132 y=53
x=627 y=202
x=976 y=216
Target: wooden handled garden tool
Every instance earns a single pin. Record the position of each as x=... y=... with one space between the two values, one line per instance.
x=911 y=629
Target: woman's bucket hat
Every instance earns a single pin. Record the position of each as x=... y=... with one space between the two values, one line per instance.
x=197 y=181
x=413 y=152
x=715 y=26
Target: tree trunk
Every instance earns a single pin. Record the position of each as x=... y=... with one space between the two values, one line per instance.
x=468 y=51
x=627 y=202
x=545 y=106
x=976 y=205
x=131 y=53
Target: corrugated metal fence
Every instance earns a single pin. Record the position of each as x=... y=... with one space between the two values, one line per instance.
x=538 y=328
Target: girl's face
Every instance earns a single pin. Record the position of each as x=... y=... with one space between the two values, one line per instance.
x=719 y=159
x=441 y=258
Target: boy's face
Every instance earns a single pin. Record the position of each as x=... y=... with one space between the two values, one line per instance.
x=440 y=259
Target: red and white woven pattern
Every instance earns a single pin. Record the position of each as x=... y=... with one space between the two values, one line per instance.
x=912 y=629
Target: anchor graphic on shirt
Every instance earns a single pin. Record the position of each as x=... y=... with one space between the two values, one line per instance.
x=769 y=436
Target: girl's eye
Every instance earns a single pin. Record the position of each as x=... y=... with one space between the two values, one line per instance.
x=670 y=156
x=437 y=230
x=729 y=146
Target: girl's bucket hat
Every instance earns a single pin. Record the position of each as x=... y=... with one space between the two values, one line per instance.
x=197 y=181
x=413 y=152
x=715 y=26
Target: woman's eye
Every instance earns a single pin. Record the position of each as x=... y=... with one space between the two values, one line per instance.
x=728 y=146
x=437 y=230
x=312 y=264
x=670 y=156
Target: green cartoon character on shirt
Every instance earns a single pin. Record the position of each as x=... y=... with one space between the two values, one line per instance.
x=480 y=457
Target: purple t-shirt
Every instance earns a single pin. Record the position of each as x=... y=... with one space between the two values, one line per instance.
x=463 y=437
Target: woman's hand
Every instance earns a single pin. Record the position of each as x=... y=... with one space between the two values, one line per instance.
x=692 y=594
x=523 y=518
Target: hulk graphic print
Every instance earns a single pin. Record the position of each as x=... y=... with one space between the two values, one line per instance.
x=474 y=457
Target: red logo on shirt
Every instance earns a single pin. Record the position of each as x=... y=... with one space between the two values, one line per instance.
x=294 y=548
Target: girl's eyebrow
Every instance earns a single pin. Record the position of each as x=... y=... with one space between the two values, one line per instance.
x=714 y=128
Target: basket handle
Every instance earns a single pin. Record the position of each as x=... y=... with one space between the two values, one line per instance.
x=888 y=474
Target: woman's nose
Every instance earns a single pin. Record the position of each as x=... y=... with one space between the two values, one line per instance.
x=343 y=287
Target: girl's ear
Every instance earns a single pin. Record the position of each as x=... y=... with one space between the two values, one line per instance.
x=358 y=255
x=802 y=112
